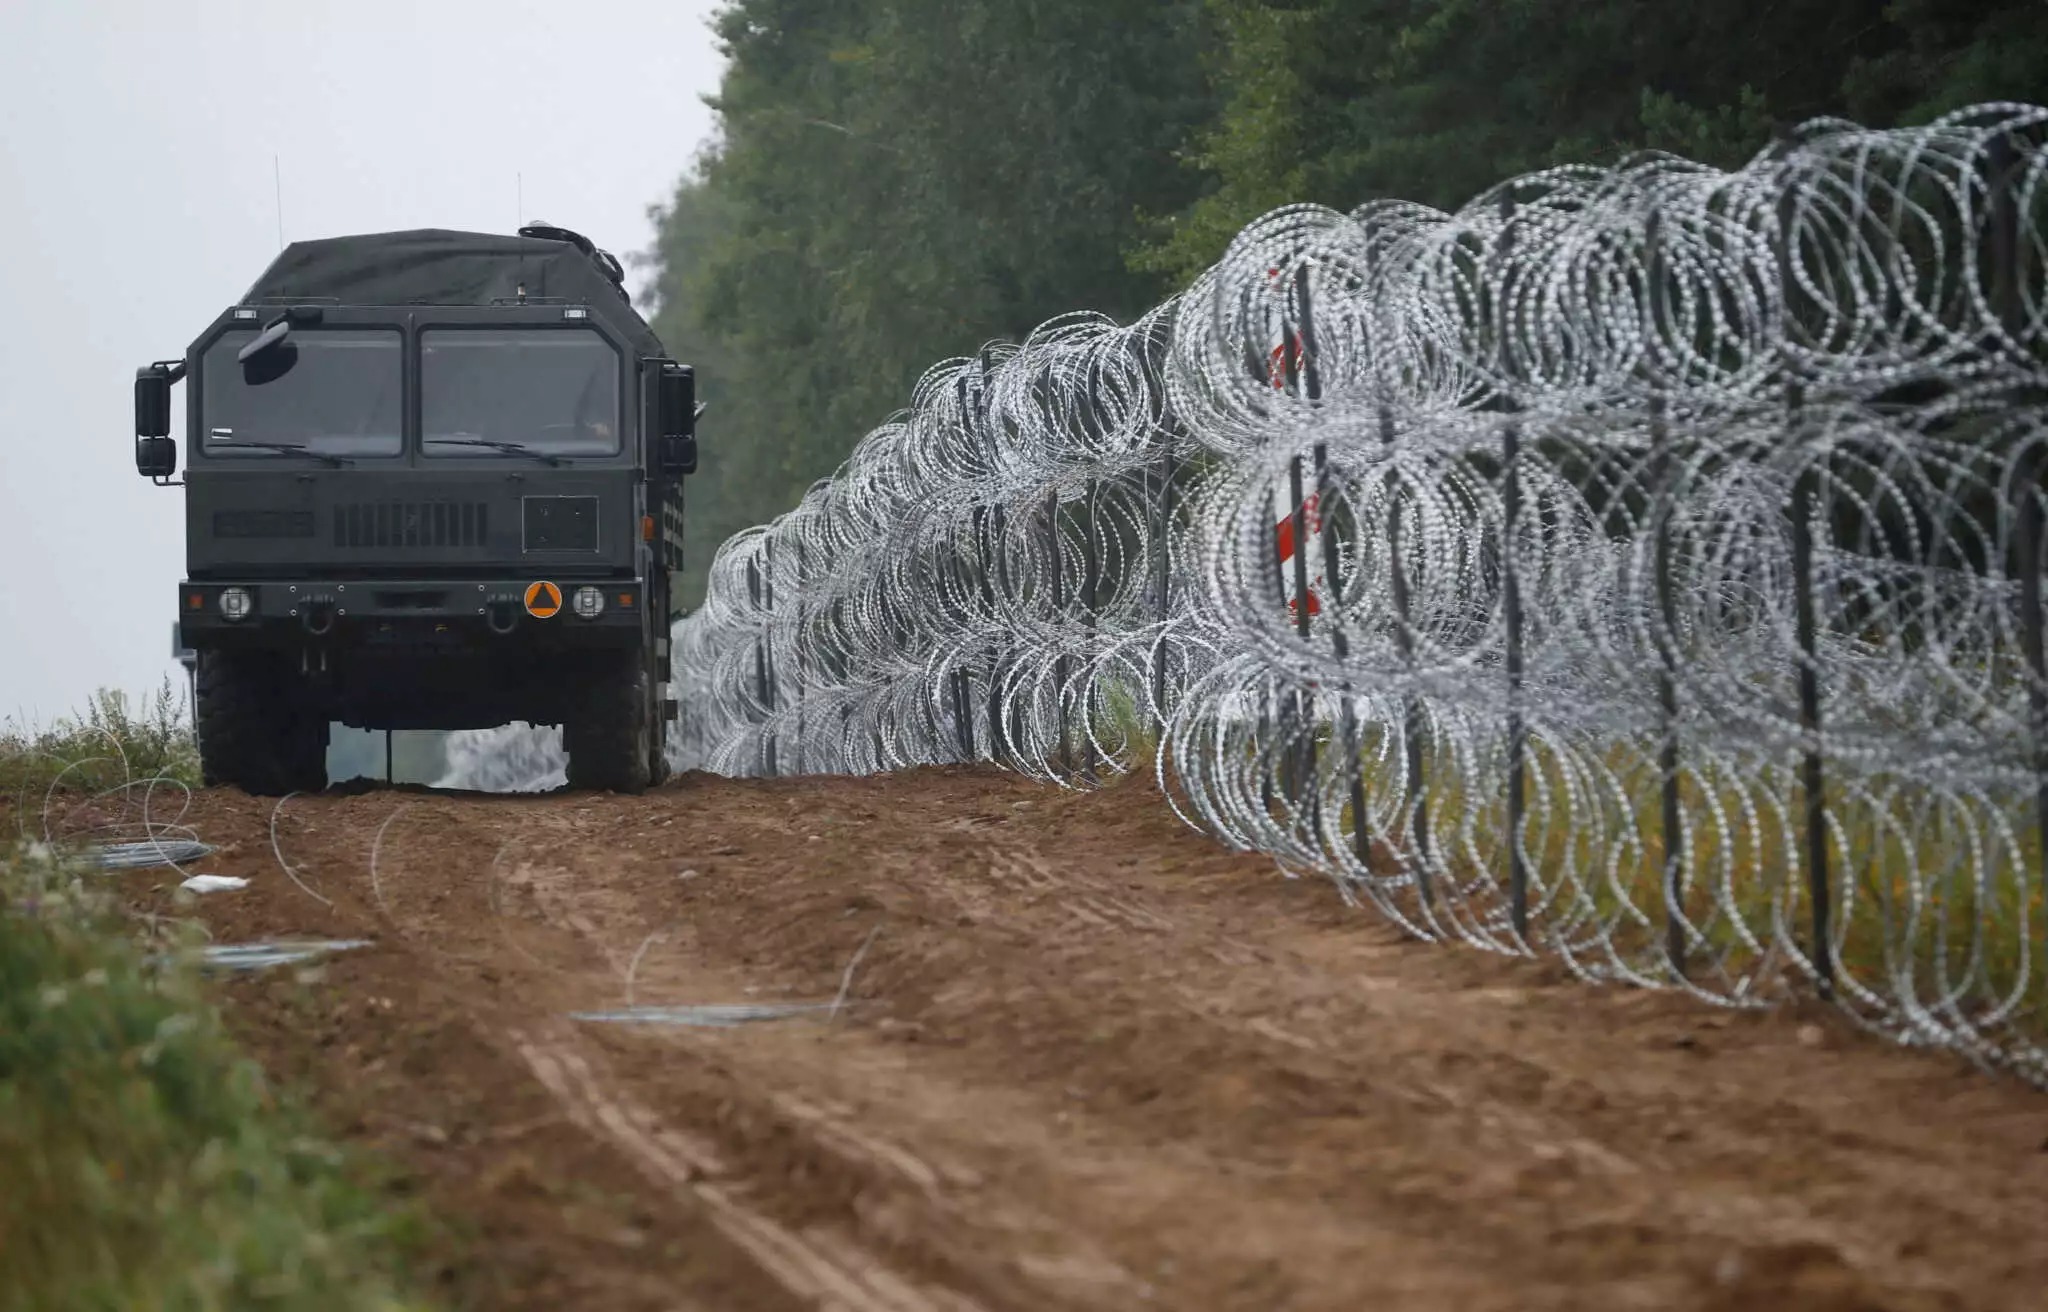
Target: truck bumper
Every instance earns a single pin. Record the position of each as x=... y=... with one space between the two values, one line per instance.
x=367 y=611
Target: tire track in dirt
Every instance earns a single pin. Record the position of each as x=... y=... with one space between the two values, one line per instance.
x=822 y=1265
x=1089 y=1061
x=920 y=1215
x=819 y=1268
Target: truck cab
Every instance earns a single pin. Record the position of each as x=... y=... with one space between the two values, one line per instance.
x=433 y=480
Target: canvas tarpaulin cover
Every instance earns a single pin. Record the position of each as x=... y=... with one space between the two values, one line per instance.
x=433 y=266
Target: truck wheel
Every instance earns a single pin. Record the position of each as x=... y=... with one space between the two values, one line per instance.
x=657 y=746
x=253 y=733
x=609 y=729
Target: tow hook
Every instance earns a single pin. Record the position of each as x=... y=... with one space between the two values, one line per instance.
x=317 y=618
x=501 y=617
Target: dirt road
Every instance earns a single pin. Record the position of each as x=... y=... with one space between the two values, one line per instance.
x=1084 y=1059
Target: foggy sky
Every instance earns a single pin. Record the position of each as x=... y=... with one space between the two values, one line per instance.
x=138 y=200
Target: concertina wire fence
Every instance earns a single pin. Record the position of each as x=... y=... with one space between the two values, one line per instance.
x=1640 y=566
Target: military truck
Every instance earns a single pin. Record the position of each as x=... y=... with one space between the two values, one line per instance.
x=434 y=480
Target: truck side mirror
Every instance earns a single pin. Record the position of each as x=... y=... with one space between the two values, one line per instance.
x=677 y=410
x=156 y=451
x=271 y=355
x=678 y=400
x=679 y=454
x=156 y=457
x=152 y=401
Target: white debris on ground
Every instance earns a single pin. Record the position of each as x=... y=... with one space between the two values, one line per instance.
x=214 y=884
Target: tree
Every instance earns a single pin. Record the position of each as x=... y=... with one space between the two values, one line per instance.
x=896 y=182
x=1343 y=101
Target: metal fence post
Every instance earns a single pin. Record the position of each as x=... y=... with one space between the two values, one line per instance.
x=1308 y=377
x=979 y=583
x=1412 y=727
x=756 y=594
x=844 y=670
x=1333 y=579
x=961 y=681
x=995 y=584
x=1511 y=604
x=1091 y=584
x=797 y=658
x=770 y=688
x=1257 y=367
x=1807 y=492
x=1304 y=752
x=988 y=530
x=1162 y=535
x=963 y=714
x=1059 y=605
x=1664 y=500
x=963 y=711
x=1277 y=777
x=1806 y=495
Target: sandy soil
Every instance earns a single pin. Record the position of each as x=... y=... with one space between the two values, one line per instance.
x=1085 y=1059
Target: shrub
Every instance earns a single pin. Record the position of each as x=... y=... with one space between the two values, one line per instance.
x=148 y=1164
x=110 y=744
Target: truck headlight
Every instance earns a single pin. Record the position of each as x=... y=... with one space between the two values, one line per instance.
x=235 y=604
x=588 y=602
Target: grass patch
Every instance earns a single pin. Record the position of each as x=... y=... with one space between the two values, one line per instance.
x=1935 y=893
x=113 y=742
x=148 y=1164
x=1120 y=728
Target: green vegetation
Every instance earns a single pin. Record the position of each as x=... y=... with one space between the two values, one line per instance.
x=1343 y=101
x=1932 y=895
x=148 y=1164
x=115 y=741
x=896 y=182
x=112 y=743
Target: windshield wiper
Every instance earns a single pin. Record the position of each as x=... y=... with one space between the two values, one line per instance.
x=294 y=449
x=509 y=448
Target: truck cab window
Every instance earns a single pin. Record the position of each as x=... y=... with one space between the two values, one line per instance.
x=553 y=391
x=343 y=397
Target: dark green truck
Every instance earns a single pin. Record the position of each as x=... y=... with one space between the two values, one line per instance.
x=434 y=480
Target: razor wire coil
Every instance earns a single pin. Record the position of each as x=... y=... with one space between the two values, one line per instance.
x=1640 y=566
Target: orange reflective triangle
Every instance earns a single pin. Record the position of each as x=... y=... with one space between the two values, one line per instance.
x=543 y=599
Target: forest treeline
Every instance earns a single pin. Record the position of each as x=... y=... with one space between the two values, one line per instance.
x=894 y=182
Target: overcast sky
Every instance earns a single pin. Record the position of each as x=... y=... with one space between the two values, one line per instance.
x=138 y=200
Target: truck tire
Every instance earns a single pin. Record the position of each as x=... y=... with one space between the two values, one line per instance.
x=657 y=745
x=253 y=733
x=610 y=727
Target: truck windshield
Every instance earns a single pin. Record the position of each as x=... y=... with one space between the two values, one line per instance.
x=343 y=397
x=537 y=390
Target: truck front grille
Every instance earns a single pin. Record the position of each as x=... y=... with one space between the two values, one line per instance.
x=412 y=524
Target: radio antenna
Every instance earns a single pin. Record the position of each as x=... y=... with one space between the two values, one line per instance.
x=519 y=219
x=277 y=181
